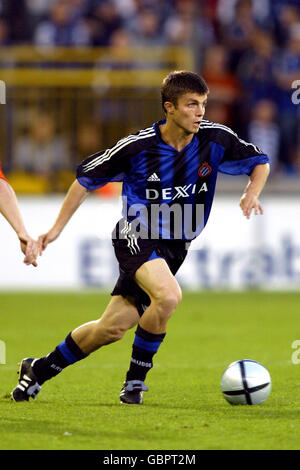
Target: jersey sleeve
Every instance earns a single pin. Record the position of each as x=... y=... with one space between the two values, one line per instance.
x=2 y=175
x=105 y=166
x=240 y=157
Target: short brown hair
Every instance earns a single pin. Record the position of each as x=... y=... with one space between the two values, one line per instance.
x=179 y=82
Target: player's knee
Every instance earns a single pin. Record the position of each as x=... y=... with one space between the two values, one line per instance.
x=168 y=299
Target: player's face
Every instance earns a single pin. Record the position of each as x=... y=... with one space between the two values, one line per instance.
x=188 y=112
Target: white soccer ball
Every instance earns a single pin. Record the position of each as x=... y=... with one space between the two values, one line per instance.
x=246 y=382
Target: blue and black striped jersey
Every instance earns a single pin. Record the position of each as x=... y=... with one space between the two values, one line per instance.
x=158 y=179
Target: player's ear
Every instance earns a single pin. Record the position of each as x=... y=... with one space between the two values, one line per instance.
x=169 y=107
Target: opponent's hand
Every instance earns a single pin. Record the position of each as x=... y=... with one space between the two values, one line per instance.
x=30 y=248
x=46 y=238
x=248 y=202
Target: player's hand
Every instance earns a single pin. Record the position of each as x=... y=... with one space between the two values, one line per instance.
x=46 y=238
x=248 y=202
x=30 y=248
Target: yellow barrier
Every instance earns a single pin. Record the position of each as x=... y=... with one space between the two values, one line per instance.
x=78 y=99
x=82 y=67
x=84 y=78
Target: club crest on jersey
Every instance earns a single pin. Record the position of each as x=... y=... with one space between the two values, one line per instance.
x=204 y=170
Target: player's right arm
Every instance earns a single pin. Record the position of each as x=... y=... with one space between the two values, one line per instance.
x=74 y=198
x=92 y=173
x=106 y=166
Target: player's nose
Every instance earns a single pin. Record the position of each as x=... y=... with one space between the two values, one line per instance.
x=200 y=111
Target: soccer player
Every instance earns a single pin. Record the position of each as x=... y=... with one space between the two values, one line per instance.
x=169 y=173
x=10 y=210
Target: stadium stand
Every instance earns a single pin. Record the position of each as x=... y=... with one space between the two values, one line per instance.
x=89 y=63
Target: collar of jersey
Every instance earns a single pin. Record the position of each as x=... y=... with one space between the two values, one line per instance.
x=158 y=134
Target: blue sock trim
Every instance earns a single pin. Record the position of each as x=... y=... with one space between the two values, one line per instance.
x=68 y=355
x=147 y=345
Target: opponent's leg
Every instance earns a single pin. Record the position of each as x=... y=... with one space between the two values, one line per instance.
x=156 y=279
x=120 y=315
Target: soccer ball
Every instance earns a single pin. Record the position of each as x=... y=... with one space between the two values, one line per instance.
x=246 y=382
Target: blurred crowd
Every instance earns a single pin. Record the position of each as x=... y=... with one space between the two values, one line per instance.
x=247 y=50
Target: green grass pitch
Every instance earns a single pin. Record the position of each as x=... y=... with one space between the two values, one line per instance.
x=184 y=408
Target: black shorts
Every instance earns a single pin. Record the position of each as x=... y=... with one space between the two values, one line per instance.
x=172 y=251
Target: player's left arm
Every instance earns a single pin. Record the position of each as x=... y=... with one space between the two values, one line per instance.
x=244 y=158
x=257 y=180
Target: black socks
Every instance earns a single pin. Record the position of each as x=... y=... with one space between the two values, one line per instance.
x=64 y=354
x=144 y=347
